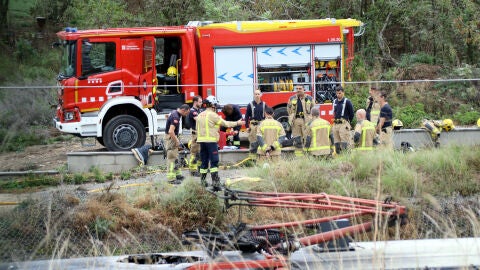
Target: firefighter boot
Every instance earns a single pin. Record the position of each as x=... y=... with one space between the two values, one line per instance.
x=216 y=181
x=178 y=172
x=203 y=179
x=193 y=166
x=338 y=148
x=141 y=154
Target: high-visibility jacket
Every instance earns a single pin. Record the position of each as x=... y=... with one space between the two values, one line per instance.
x=270 y=131
x=366 y=129
x=208 y=125
x=307 y=106
x=319 y=132
x=434 y=126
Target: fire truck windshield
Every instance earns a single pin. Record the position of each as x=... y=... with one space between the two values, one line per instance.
x=68 y=60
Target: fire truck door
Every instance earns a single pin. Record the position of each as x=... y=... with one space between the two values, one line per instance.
x=234 y=75
x=147 y=78
x=100 y=77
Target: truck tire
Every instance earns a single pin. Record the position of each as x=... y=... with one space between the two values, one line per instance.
x=123 y=133
x=100 y=141
x=281 y=115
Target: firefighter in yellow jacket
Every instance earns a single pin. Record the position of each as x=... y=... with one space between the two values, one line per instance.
x=365 y=133
x=319 y=139
x=270 y=136
x=208 y=125
x=299 y=114
x=435 y=127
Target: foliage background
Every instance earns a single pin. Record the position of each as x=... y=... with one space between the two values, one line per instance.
x=405 y=40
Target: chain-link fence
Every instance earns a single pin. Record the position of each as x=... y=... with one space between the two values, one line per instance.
x=68 y=223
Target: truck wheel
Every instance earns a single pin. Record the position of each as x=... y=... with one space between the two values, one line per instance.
x=123 y=133
x=281 y=115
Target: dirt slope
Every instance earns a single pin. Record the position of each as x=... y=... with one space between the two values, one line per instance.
x=41 y=157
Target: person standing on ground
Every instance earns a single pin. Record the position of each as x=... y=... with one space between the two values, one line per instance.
x=194 y=146
x=172 y=142
x=318 y=139
x=364 y=132
x=343 y=116
x=270 y=136
x=208 y=125
x=373 y=107
x=384 y=126
x=253 y=117
x=299 y=114
x=232 y=113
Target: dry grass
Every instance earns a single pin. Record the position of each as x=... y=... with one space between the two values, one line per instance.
x=441 y=194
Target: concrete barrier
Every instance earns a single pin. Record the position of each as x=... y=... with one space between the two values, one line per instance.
x=116 y=162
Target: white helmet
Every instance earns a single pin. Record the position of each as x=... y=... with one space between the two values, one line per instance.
x=211 y=101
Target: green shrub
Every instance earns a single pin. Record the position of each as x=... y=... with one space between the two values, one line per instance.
x=411 y=115
x=79 y=178
x=125 y=175
x=190 y=206
x=97 y=174
x=24 y=50
x=466 y=115
x=407 y=60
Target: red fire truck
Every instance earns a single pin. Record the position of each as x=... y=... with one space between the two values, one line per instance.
x=118 y=85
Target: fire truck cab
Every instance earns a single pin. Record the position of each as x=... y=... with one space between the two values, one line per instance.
x=120 y=84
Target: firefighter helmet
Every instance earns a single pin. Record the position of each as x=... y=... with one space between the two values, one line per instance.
x=448 y=124
x=172 y=71
x=210 y=101
x=397 y=124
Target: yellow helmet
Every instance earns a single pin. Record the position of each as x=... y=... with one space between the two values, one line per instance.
x=397 y=124
x=172 y=71
x=448 y=124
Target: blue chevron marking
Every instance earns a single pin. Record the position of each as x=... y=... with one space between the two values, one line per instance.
x=222 y=76
x=308 y=50
x=267 y=52
x=281 y=51
x=296 y=51
x=251 y=75
x=237 y=76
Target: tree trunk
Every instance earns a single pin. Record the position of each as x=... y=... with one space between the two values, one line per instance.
x=3 y=16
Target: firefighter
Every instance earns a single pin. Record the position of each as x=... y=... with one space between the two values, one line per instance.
x=193 y=145
x=270 y=136
x=232 y=113
x=319 y=137
x=142 y=154
x=343 y=116
x=254 y=115
x=373 y=106
x=364 y=135
x=208 y=124
x=299 y=114
x=384 y=126
x=435 y=127
x=172 y=142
